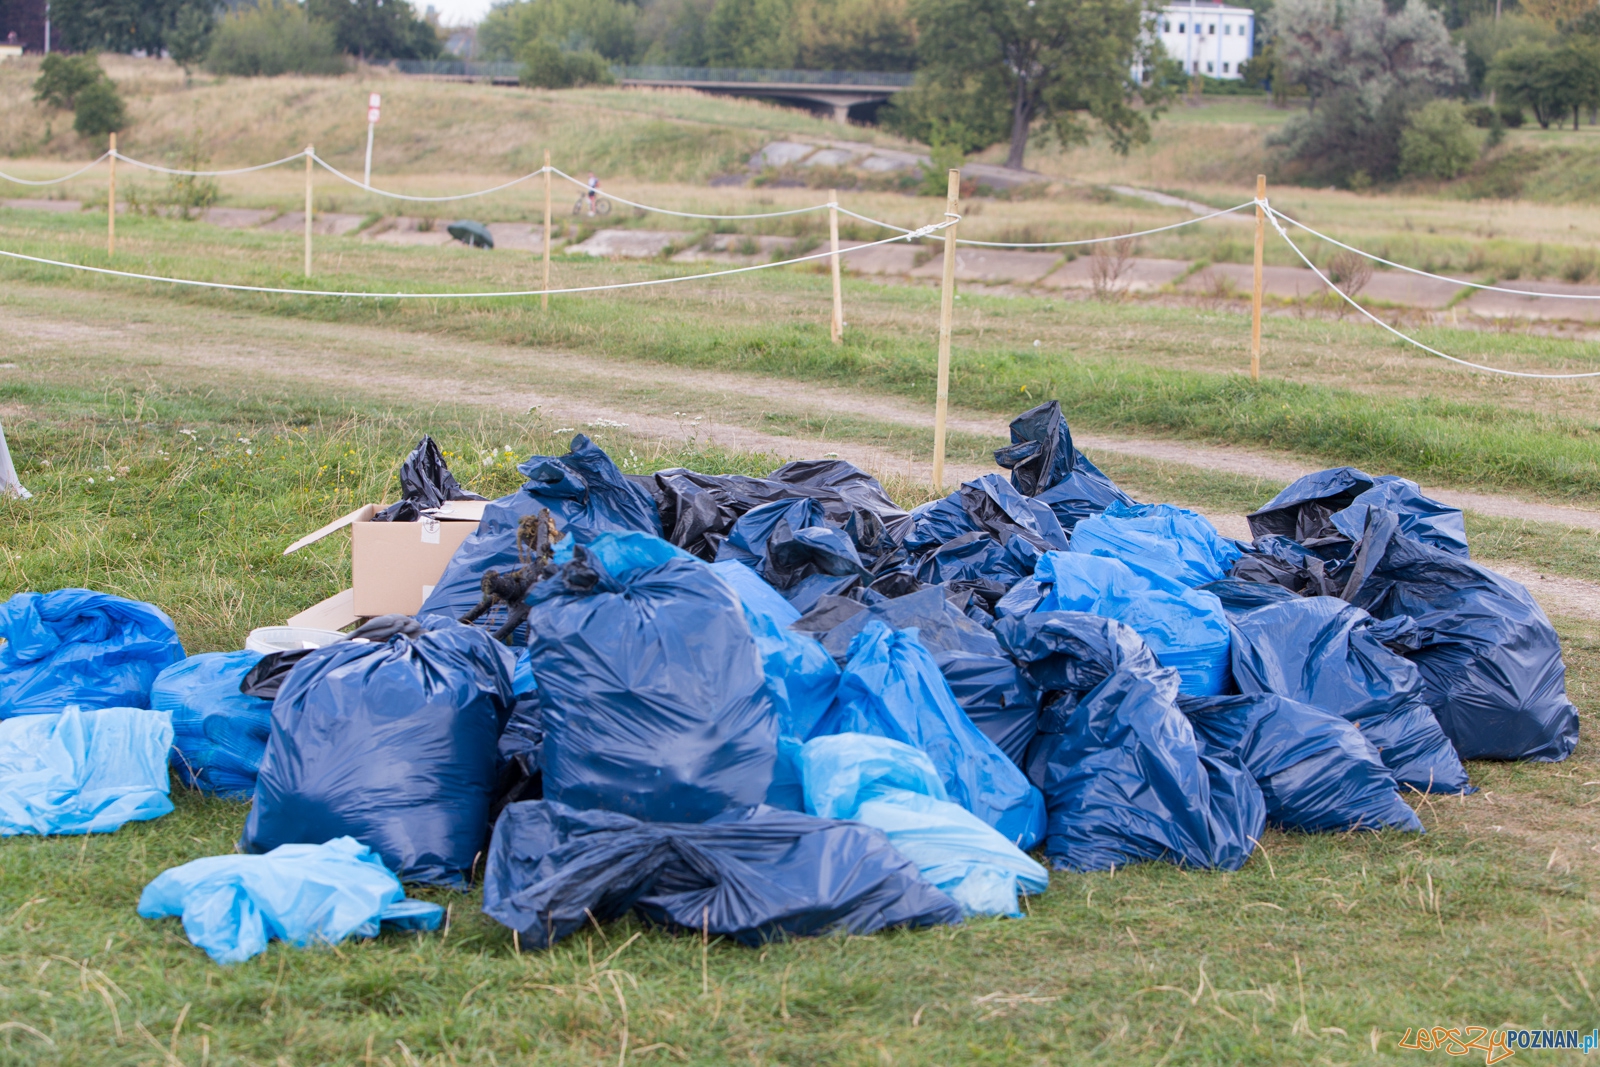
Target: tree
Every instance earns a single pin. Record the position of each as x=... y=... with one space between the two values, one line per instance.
x=190 y=38
x=1439 y=142
x=546 y=66
x=99 y=110
x=273 y=38
x=993 y=69
x=1557 y=13
x=376 y=29
x=62 y=78
x=606 y=27
x=1549 y=81
x=1486 y=37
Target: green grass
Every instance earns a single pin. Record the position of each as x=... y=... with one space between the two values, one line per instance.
x=1148 y=965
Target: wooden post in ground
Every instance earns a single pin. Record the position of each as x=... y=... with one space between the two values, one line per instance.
x=837 y=328
x=310 y=151
x=947 y=306
x=111 y=202
x=1255 y=300
x=544 y=298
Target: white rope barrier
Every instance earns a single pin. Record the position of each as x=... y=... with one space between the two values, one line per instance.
x=691 y=214
x=923 y=232
x=341 y=175
x=55 y=181
x=1274 y=216
x=1063 y=244
x=203 y=173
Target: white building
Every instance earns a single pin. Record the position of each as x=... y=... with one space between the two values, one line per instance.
x=1212 y=38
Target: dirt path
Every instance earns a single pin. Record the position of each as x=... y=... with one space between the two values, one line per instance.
x=115 y=335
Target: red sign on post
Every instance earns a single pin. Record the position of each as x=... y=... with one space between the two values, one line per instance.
x=373 y=103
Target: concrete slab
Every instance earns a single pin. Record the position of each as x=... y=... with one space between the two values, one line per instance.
x=415 y=238
x=1490 y=305
x=882 y=163
x=884 y=259
x=992 y=265
x=1000 y=177
x=522 y=236
x=630 y=244
x=735 y=248
x=781 y=154
x=328 y=224
x=237 y=218
x=1411 y=290
x=1140 y=275
x=49 y=205
x=1237 y=279
x=830 y=157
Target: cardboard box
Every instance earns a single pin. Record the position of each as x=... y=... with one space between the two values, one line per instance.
x=394 y=565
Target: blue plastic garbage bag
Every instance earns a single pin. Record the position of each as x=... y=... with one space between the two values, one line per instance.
x=979 y=558
x=990 y=505
x=519 y=755
x=1334 y=503
x=751 y=874
x=1491 y=662
x=1186 y=628
x=1172 y=541
x=747 y=541
x=1072 y=651
x=83 y=772
x=218 y=733
x=587 y=496
x=894 y=788
x=1321 y=651
x=1044 y=464
x=892 y=688
x=1125 y=778
x=801 y=677
x=392 y=743
x=655 y=698
x=1277 y=560
x=991 y=690
x=76 y=646
x=1315 y=769
x=1084 y=493
x=302 y=894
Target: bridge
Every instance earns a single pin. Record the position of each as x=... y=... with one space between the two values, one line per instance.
x=835 y=91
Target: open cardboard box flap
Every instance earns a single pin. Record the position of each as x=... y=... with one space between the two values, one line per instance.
x=450 y=511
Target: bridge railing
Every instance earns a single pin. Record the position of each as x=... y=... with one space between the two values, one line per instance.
x=456 y=68
x=739 y=74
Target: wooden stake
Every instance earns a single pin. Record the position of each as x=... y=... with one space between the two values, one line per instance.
x=544 y=298
x=1255 y=303
x=838 y=293
x=310 y=151
x=947 y=306
x=111 y=203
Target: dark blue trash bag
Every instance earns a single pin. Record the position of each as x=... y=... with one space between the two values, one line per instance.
x=981 y=563
x=994 y=693
x=1490 y=660
x=1334 y=503
x=76 y=646
x=1044 y=464
x=1124 y=777
x=587 y=496
x=1173 y=541
x=751 y=874
x=655 y=699
x=987 y=505
x=1315 y=769
x=1321 y=651
x=392 y=743
x=218 y=733
x=893 y=688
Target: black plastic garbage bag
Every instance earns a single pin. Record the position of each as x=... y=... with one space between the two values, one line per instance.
x=1334 y=503
x=392 y=743
x=752 y=874
x=425 y=483
x=845 y=490
x=1490 y=660
x=987 y=505
x=1124 y=777
x=586 y=495
x=789 y=544
x=1278 y=560
x=1324 y=652
x=654 y=698
x=697 y=510
x=1040 y=454
x=978 y=559
x=995 y=694
x=1315 y=769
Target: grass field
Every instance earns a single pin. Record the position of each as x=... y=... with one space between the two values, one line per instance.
x=1322 y=950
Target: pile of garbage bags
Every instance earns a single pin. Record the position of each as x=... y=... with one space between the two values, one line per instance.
x=784 y=706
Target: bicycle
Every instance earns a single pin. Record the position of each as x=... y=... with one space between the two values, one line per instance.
x=602 y=206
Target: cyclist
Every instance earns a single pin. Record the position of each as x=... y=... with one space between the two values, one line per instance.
x=594 y=190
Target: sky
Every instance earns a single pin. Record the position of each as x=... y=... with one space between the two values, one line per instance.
x=457 y=12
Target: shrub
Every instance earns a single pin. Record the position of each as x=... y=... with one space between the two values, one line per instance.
x=1438 y=142
x=546 y=66
x=62 y=78
x=99 y=110
x=274 y=38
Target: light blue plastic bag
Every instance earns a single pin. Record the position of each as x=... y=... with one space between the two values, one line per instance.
x=303 y=894
x=218 y=733
x=1173 y=541
x=892 y=688
x=894 y=788
x=1186 y=628
x=83 y=772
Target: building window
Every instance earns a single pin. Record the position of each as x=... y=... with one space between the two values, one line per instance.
x=1227 y=30
x=1208 y=66
x=1166 y=27
x=1224 y=68
x=1212 y=29
x=1180 y=27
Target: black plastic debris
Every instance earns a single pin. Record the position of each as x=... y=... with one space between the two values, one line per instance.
x=389 y=742
x=653 y=695
x=1316 y=771
x=751 y=874
x=473 y=234
x=1334 y=504
x=1490 y=660
x=1124 y=777
x=986 y=505
x=425 y=484
x=1327 y=653
x=586 y=495
x=1044 y=464
x=1277 y=560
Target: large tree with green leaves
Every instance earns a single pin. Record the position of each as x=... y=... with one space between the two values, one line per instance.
x=1004 y=70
